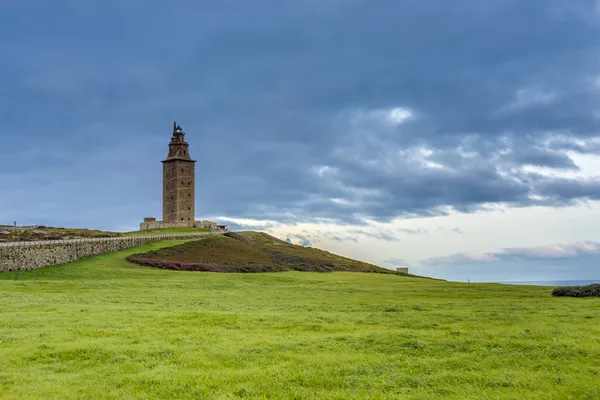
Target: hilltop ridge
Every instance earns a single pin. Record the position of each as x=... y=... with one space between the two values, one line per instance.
x=250 y=252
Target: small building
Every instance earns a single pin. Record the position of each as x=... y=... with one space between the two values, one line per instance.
x=403 y=270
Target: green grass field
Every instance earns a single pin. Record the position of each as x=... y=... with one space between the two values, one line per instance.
x=103 y=328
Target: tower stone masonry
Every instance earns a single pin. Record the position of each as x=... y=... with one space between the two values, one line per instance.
x=179 y=189
x=178 y=180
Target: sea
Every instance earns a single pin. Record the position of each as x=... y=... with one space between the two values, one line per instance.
x=551 y=283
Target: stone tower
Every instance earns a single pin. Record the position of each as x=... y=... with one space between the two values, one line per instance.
x=178 y=181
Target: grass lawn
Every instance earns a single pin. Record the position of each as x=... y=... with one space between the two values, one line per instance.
x=105 y=328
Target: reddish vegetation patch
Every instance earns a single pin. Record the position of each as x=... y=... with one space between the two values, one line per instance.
x=184 y=266
x=214 y=250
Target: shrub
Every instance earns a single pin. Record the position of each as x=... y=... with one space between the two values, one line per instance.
x=592 y=290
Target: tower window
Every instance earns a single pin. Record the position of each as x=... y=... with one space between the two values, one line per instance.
x=182 y=219
x=189 y=208
x=181 y=169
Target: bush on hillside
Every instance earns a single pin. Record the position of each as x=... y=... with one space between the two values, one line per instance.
x=592 y=290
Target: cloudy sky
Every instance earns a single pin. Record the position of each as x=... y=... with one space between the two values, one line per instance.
x=460 y=138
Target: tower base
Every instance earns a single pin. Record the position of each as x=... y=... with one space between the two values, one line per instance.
x=152 y=223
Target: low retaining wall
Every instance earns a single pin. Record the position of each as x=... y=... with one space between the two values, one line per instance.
x=148 y=224
x=32 y=255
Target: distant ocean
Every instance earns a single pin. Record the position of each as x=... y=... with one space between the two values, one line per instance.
x=552 y=283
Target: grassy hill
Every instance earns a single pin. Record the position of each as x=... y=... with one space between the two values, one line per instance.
x=249 y=252
x=104 y=328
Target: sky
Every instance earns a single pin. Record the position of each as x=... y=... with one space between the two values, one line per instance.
x=458 y=138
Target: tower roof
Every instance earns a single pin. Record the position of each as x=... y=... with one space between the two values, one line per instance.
x=176 y=128
x=178 y=147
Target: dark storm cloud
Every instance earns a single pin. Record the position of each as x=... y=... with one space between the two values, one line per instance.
x=543 y=158
x=564 y=190
x=289 y=106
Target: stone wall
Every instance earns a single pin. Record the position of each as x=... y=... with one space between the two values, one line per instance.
x=178 y=190
x=146 y=225
x=32 y=255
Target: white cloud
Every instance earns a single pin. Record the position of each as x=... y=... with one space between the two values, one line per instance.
x=486 y=237
x=325 y=171
x=527 y=97
x=554 y=250
x=547 y=252
x=344 y=202
x=461 y=258
x=248 y=223
x=390 y=117
x=395 y=262
x=398 y=115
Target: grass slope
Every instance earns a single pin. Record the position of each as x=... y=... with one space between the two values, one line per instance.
x=103 y=328
x=50 y=233
x=249 y=252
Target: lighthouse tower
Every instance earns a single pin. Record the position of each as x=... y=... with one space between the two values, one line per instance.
x=178 y=200
x=178 y=181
